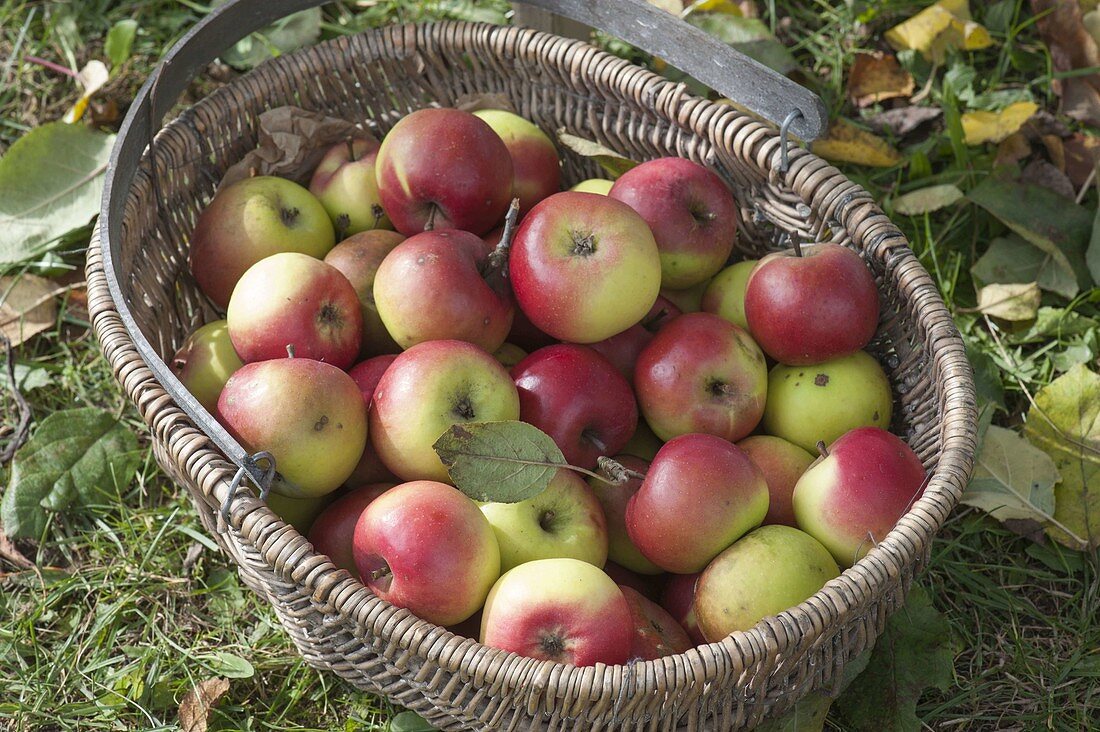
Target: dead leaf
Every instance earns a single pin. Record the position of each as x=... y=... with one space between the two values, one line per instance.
x=195 y=708
x=1012 y=150
x=903 y=120
x=927 y=200
x=27 y=306
x=91 y=78
x=613 y=163
x=291 y=143
x=848 y=143
x=1010 y=301
x=877 y=76
x=1042 y=173
x=981 y=126
x=938 y=29
x=1056 y=151
x=487 y=100
x=11 y=554
x=1082 y=153
x=1062 y=27
x=1027 y=528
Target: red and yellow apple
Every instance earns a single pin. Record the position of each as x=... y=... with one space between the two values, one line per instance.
x=534 y=157
x=358 y=258
x=345 y=184
x=613 y=498
x=656 y=633
x=782 y=464
x=333 y=531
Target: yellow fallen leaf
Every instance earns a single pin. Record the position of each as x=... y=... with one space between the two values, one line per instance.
x=877 y=76
x=980 y=127
x=849 y=144
x=1014 y=302
x=939 y=28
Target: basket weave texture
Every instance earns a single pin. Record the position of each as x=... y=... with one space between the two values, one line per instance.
x=376 y=78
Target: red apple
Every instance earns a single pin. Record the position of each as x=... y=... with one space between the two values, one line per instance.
x=691 y=212
x=562 y=610
x=851 y=498
x=308 y=414
x=622 y=349
x=426 y=547
x=699 y=495
x=333 y=531
x=366 y=375
x=252 y=219
x=534 y=157
x=782 y=464
x=294 y=300
x=444 y=169
x=613 y=499
x=205 y=362
x=358 y=257
x=434 y=286
x=701 y=373
x=578 y=398
x=807 y=309
x=656 y=633
x=345 y=184
x=584 y=267
x=679 y=599
x=525 y=335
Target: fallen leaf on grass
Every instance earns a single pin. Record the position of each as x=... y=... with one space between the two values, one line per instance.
x=27 y=306
x=1012 y=478
x=1062 y=27
x=91 y=78
x=1013 y=302
x=1012 y=259
x=194 y=711
x=1065 y=422
x=903 y=120
x=1045 y=174
x=1012 y=150
x=939 y=28
x=1082 y=153
x=877 y=76
x=848 y=143
x=926 y=200
x=980 y=127
x=120 y=42
x=611 y=161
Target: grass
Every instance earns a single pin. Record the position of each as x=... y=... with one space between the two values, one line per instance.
x=129 y=604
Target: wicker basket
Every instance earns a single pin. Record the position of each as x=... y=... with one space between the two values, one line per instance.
x=144 y=303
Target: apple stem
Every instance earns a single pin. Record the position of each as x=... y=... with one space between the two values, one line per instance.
x=430 y=223
x=615 y=472
x=821 y=449
x=496 y=264
x=383 y=571
x=290 y=350
x=350 y=142
x=797 y=246
x=656 y=318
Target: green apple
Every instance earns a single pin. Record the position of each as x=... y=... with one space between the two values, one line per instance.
x=807 y=404
x=725 y=295
x=594 y=185
x=509 y=354
x=565 y=520
x=205 y=362
x=769 y=570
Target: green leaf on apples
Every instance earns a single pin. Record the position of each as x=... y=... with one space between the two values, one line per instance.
x=1064 y=420
x=75 y=457
x=1012 y=478
x=608 y=159
x=915 y=652
x=51 y=181
x=499 y=462
x=410 y=722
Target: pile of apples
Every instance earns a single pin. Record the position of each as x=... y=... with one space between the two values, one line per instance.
x=397 y=297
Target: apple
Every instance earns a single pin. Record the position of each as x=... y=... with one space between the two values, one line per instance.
x=333 y=531
x=577 y=397
x=308 y=414
x=534 y=157
x=814 y=307
x=853 y=495
x=691 y=212
x=525 y=335
x=509 y=355
x=701 y=373
x=205 y=362
x=613 y=499
x=427 y=389
x=656 y=633
x=643 y=443
x=562 y=610
x=594 y=185
x=678 y=599
x=768 y=571
x=650 y=585
x=444 y=169
x=358 y=257
x=782 y=464
x=292 y=301
x=435 y=286
x=366 y=376
x=345 y=184
x=250 y=220
x=584 y=267
x=811 y=403
x=622 y=349
x=700 y=495
x=689 y=300
x=725 y=295
x=426 y=547
x=564 y=520
x=298 y=512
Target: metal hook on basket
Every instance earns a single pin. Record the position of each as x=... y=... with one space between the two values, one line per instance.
x=250 y=466
x=784 y=139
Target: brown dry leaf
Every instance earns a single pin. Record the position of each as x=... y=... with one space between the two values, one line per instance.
x=1047 y=175
x=1014 y=302
x=1082 y=153
x=195 y=708
x=849 y=144
x=292 y=142
x=940 y=28
x=1056 y=151
x=27 y=306
x=1012 y=149
x=980 y=126
x=903 y=120
x=877 y=76
x=1062 y=28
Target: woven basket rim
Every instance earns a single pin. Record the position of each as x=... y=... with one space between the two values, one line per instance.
x=771 y=636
